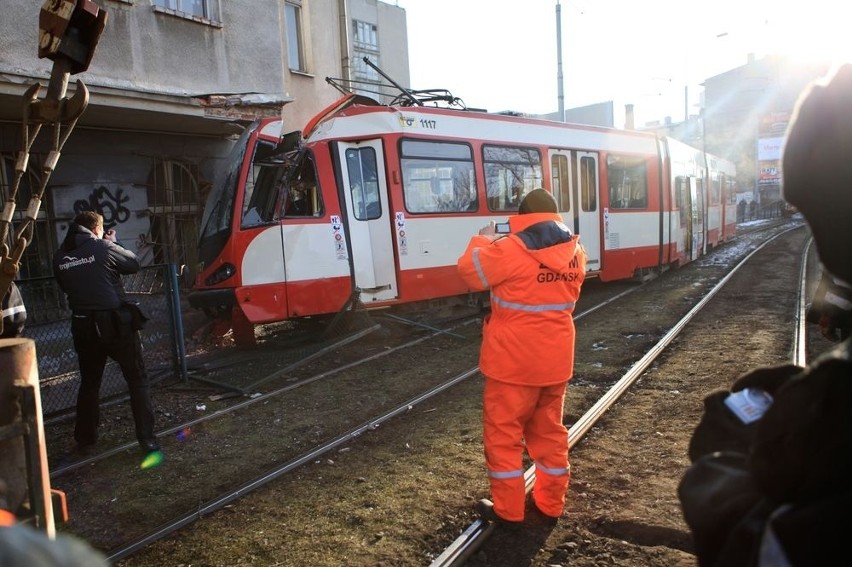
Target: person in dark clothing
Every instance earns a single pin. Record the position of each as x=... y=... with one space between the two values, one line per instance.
x=88 y=267
x=14 y=313
x=769 y=486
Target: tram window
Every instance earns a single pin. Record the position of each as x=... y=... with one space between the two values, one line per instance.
x=364 y=183
x=262 y=186
x=716 y=190
x=681 y=197
x=216 y=218
x=628 y=187
x=561 y=182
x=301 y=195
x=588 y=184
x=699 y=203
x=510 y=173
x=437 y=177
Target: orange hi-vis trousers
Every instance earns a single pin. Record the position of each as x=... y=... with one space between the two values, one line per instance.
x=514 y=415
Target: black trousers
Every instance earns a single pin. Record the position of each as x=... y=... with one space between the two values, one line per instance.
x=99 y=335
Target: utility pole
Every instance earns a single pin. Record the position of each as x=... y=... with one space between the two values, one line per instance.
x=561 y=95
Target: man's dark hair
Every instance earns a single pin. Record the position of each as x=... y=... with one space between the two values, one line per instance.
x=89 y=219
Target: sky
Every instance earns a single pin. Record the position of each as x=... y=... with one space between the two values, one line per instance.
x=502 y=54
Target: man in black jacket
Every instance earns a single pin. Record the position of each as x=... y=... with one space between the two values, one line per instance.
x=89 y=266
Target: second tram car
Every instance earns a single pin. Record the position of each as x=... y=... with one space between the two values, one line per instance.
x=381 y=200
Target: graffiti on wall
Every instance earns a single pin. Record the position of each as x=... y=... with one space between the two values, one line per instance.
x=122 y=205
x=108 y=205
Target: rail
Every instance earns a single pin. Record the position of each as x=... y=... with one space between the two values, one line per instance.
x=472 y=538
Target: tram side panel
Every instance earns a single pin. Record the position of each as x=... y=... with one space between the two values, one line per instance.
x=439 y=189
x=393 y=197
x=286 y=241
x=630 y=205
x=729 y=195
x=721 y=213
x=687 y=180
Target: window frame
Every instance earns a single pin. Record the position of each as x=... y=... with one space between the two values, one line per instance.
x=632 y=192
x=363 y=182
x=295 y=36
x=504 y=197
x=588 y=173
x=447 y=168
x=210 y=13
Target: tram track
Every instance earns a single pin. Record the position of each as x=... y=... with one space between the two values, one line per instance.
x=254 y=399
x=268 y=476
x=471 y=538
x=308 y=455
x=642 y=438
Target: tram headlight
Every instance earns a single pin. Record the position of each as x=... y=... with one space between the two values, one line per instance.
x=221 y=274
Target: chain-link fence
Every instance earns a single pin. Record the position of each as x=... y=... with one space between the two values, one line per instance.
x=49 y=326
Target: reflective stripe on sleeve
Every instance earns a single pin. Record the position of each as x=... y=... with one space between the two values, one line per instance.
x=478 y=266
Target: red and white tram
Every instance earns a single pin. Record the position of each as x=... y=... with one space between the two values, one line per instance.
x=381 y=201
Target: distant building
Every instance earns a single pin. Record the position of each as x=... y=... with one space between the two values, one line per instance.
x=599 y=114
x=743 y=118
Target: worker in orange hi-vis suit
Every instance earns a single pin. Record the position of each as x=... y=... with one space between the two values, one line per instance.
x=534 y=273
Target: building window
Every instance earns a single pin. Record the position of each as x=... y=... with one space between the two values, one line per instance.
x=366 y=36
x=295 y=51
x=173 y=212
x=207 y=10
x=365 y=43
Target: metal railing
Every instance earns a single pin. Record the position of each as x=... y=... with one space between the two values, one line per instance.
x=752 y=211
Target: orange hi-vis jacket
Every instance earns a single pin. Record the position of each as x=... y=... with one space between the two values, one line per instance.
x=534 y=274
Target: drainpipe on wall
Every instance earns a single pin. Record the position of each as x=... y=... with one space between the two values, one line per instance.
x=345 y=45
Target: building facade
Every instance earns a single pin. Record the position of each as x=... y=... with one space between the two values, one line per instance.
x=743 y=118
x=171 y=83
x=745 y=115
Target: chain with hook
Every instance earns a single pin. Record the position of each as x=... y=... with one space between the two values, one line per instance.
x=68 y=34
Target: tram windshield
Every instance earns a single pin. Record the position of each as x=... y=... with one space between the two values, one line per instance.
x=260 y=193
x=216 y=219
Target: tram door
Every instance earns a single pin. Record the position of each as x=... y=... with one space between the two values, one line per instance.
x=683 y=199
x=575 y=187
x=697 y=191
x=690 y=195
x=365 y=198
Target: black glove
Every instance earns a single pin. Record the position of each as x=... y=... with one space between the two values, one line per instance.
x=721 y=430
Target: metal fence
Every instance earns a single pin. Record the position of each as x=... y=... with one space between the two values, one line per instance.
x=49 y=326
x=752 y=211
